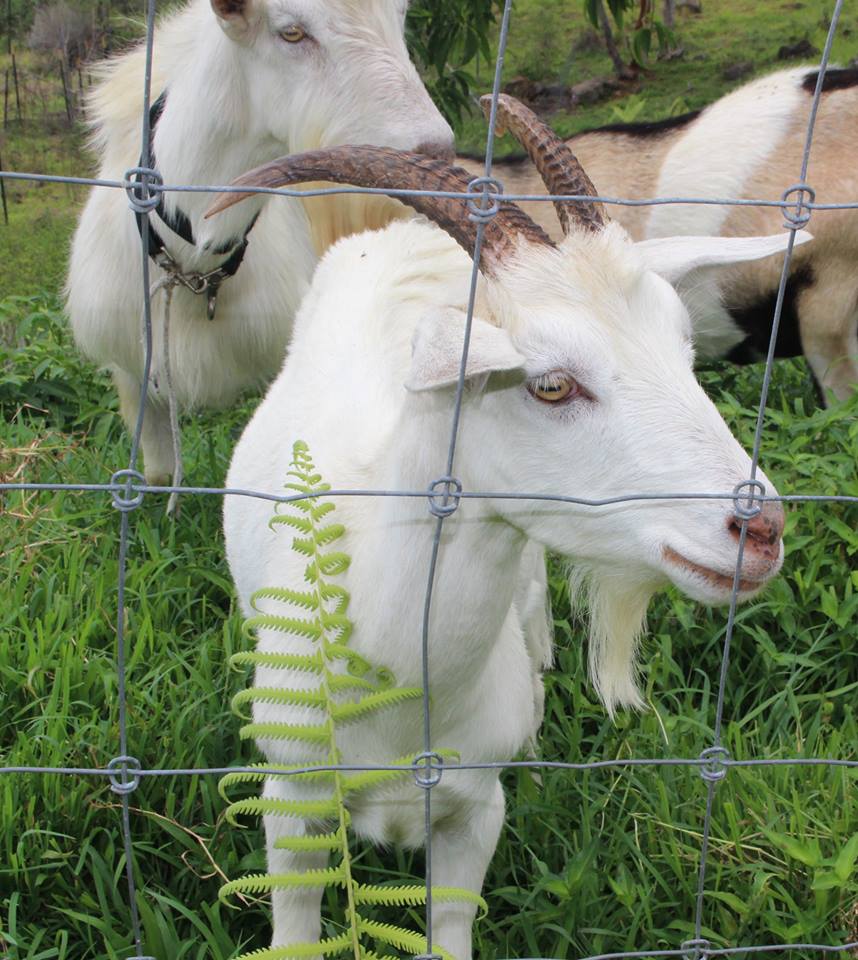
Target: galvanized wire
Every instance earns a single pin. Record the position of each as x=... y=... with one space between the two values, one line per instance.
x=127 y=489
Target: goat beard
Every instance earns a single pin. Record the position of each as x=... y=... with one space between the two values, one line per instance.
x=616 y=607
x=336 y=216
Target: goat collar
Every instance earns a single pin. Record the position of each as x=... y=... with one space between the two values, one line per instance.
x=178 y=222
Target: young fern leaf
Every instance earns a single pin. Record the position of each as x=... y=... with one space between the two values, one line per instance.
x=413 y=896
x=305 y=698
x=295 y=951
x=305 y=599
x=258 y=776
x=279 y=661
x=295 y=625
x=350 y=689
x=267 y=806
x=400 y=938
x=320 y=841
x=318 y=735
x=257 y=883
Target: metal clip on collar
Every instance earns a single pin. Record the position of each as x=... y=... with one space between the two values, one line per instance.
x=202 y=284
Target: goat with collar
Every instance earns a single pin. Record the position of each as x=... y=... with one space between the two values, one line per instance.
x=246 y=80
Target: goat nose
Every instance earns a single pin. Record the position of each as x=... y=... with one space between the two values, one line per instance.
x=442 y=149
x=764 y=530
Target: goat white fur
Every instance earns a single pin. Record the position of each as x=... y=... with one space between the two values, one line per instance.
x=368 y=384
x=237 y=94
x=747 y=145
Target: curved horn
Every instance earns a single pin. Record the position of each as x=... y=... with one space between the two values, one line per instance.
x=558 y=166
x=398 y=170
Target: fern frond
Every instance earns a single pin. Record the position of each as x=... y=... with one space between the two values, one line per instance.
x=332 y=564
x=320 y=841
x=295 y=625
x=330 y=591
x=267 y=806
x=257 y=776
x=325 y=948
x=311 y=489
x=399 y=937
x=305 y=599
x=356 y=665
x=328 y=534
x=366 y=779
x=318 y=735
x=304 y=545
x=322 y=510
x=308 y=663
x=256 y=883
x=342 y=698
x=303 y=524
x=340 y=682
x=338 y=622
x=297 y=698
x=356 y=710
x=412 y=896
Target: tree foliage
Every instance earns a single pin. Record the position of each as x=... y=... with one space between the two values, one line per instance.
x=636 y=24
x=445 y=37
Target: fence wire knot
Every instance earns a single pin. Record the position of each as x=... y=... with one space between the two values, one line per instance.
x=129 y=479
x=750 y=506
x=141 y=188
x=489 y=188
x=444 y=495
x=427 y=768
x=695 y=949
x=714 y=764
x=798 y=216
x=122 y=783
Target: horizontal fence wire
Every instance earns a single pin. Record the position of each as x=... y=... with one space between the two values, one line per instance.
x=465 y=196
x=127 y=490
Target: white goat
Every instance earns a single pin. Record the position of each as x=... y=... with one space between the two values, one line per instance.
x=580 y=382
x=747 y=145
x=243 y=83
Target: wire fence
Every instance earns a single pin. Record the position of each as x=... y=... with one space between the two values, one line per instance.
x=127 y=489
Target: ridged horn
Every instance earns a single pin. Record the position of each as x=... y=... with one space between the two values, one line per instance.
x=384 y=168
x=557 y=164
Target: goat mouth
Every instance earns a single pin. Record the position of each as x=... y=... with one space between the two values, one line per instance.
x=720 y=581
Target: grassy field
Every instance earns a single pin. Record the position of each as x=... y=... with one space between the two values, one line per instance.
x=588 y=863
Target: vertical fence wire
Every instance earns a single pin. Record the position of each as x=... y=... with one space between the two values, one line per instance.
x=444 y=495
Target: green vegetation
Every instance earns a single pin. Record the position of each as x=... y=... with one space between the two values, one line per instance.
x=589 y=862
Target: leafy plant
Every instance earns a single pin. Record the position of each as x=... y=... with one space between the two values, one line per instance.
x=444 y=36
x=645 y=31
x=319 y=615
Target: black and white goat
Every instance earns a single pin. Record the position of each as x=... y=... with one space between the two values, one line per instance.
x=748 y=144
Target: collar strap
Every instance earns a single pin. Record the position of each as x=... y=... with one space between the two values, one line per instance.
x=178 y=221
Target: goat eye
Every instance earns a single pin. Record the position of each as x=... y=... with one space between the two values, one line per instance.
x=293 y=34
x=554 y=387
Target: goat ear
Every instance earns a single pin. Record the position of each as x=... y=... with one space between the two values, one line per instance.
x=234 y=16
x=674 y=257
x=436 y=352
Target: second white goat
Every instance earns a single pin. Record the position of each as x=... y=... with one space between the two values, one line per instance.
x=579 y=382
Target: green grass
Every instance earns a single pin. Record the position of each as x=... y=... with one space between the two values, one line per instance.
x=589 y=862
x=545 y=44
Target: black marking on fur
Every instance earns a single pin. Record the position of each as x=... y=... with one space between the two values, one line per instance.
x=835 y=79
x=652 y=128
x=755 y=319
